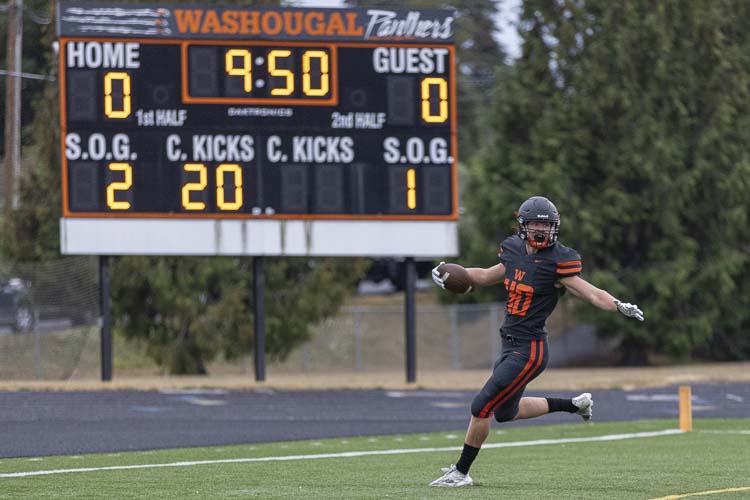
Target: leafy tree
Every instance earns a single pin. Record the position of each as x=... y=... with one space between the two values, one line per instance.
x=632 y=117
x=190 y=309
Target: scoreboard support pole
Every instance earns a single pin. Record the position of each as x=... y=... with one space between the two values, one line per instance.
x=409 y=306
x=259 y=321
x=106 y=325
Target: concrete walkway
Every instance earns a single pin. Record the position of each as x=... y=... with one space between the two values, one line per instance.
x=552 y=379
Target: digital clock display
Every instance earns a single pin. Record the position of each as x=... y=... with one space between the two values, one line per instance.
x=260 y=74
x=188 y=121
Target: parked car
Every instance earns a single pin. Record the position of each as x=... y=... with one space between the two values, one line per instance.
x=394 y=270
x=16 y=306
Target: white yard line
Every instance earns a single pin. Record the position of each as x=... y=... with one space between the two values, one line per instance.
x=350 y=454
x=725 y=432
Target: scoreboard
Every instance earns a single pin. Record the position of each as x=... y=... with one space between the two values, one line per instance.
x=242 y=130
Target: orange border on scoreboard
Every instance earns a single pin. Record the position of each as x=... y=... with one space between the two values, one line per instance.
x=232 y=215
x=333 y=100
x=63 y=129
x=454 y=132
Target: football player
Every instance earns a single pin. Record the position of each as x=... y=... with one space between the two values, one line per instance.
x=535 y=269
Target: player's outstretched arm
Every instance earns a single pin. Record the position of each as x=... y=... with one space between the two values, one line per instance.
x=600 y=298
x=478 y=276
x=486 y=277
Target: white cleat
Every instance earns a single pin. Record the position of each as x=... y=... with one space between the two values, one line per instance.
x=585 y=404
x=452 y=478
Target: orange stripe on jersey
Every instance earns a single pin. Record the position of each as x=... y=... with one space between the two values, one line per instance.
x=569 y=263
x=570 y=270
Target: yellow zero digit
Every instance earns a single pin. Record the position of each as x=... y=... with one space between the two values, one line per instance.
x=108 y=105
x=284 y=73
x=123 y=185
x=194 y=186
x=442 y=86
x=307 y=87
x=411 y=189
x=245 y=70
x=236 y=171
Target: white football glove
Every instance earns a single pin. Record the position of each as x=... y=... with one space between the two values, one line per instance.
x=629 y=310
x=436 y=276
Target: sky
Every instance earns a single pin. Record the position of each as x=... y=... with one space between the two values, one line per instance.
x=506 y=33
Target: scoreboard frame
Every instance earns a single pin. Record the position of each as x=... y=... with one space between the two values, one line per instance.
x=221 y=233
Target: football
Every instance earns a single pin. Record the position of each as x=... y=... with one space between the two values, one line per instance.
x=455 y=277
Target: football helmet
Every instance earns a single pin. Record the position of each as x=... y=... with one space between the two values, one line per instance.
x=538 y=209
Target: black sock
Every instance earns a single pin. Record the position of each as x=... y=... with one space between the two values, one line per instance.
x=561 y=404
x=468 y=455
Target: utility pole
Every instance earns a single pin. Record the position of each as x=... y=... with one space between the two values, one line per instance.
x=12 y=160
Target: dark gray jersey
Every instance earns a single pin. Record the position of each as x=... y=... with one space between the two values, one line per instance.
x=530 y=281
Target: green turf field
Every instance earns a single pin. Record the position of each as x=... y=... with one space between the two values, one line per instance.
x=715 y=458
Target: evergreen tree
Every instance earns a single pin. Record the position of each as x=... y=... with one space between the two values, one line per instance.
x=633 y=118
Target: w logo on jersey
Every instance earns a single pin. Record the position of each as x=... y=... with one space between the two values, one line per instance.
x=519 y=275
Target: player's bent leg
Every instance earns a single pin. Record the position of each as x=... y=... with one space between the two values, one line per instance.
x=581 y=405
x=479 y=429
x=518 y=365
x=504 y=388
x=530 y=407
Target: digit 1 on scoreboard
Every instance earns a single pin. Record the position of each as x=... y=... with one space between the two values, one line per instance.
x=411 y=189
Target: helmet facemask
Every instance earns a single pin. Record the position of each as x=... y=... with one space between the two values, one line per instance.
x=539 y=238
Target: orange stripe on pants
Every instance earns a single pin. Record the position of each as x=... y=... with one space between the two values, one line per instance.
x=528 y=375
x=489 y=408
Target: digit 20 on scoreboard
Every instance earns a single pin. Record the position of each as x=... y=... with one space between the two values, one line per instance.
x=257 y=113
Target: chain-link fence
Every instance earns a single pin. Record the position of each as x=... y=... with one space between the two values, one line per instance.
x=49 y=329
x=369 y=338
x=452 y=337
x=48 y=312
